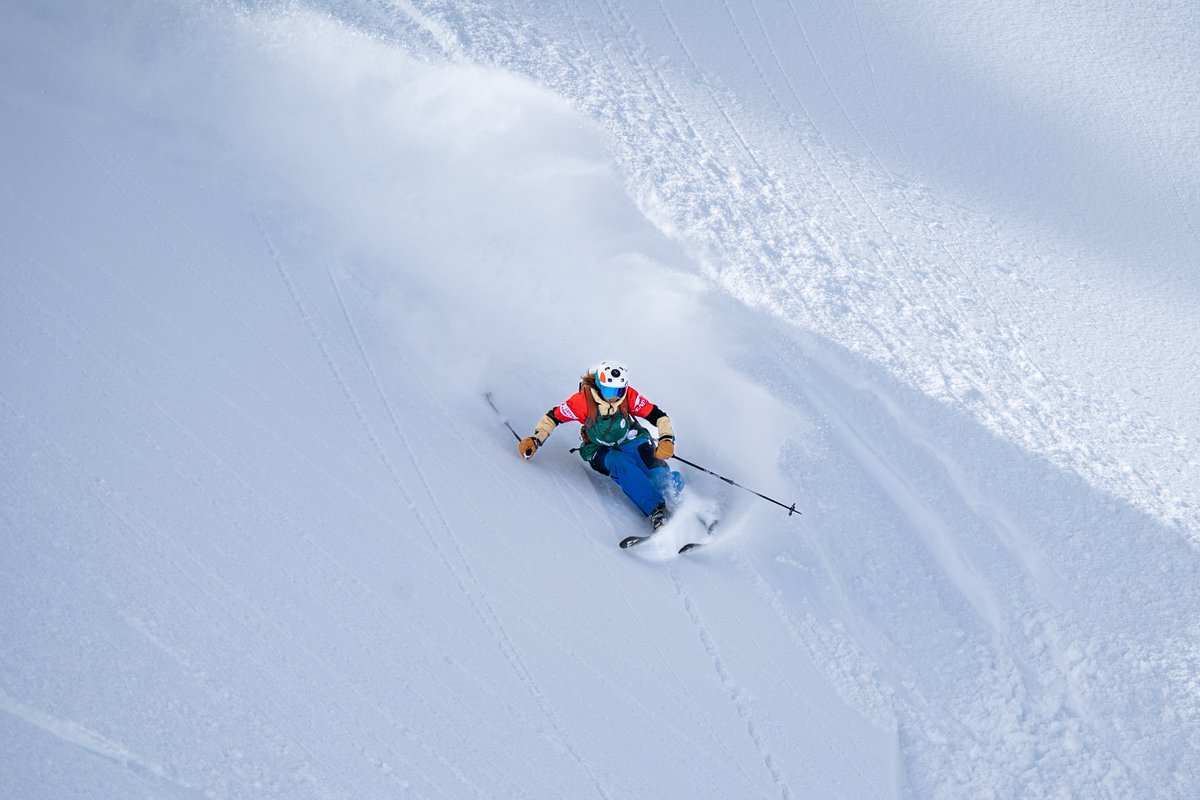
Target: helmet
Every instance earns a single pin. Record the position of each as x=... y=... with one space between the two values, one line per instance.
x=611 y=379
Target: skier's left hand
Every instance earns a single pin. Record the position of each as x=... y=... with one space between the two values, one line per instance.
x=666 y=447
x=528 y=446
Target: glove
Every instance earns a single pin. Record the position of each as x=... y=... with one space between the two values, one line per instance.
x=666 y=447
x=528 y=447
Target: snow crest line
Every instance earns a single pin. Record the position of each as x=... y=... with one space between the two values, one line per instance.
x=705 y=173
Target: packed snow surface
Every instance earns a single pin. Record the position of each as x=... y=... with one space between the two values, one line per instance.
x=928 y=270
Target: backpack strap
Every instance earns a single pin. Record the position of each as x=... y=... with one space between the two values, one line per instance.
x=593 y=407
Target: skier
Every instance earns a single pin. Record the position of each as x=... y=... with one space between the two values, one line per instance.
x=613 y=443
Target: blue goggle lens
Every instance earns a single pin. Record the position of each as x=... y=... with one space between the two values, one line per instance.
x=610 y=392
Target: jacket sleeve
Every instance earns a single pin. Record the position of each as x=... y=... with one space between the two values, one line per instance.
x=639 y=406
x=545 y=427
x=566 y=411
x=660 y=420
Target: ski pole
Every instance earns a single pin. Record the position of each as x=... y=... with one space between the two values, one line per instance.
x=791 y=509
x=488 y=396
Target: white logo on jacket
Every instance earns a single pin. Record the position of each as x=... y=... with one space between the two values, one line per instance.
x=565 y=411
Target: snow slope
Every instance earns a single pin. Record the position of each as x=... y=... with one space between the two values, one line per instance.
x=927 y=273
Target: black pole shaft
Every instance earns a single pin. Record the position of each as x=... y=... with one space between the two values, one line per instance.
x=791 y=509
x=488 y=396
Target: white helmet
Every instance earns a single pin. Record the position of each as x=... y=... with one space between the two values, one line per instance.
x=611 y=379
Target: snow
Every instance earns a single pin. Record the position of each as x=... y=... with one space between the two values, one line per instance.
x=927 y=270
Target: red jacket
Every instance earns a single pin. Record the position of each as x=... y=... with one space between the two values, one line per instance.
x=574 y=408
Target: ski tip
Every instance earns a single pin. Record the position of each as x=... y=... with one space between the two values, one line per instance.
x=630 y=541
x=689 y=547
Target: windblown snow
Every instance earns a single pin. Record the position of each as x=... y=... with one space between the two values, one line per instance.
x=928 y=270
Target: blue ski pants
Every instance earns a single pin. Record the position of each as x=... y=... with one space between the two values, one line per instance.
x=646 y=480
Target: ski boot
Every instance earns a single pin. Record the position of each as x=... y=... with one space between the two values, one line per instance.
x=658 y=517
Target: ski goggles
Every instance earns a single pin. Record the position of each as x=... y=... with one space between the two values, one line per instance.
x=612 y=392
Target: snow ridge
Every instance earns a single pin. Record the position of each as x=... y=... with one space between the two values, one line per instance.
x=787 y=222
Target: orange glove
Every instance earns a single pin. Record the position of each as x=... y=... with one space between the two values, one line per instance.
x=666 y=447
x=528 y=447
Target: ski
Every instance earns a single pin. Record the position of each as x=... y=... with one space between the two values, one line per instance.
x=630 y=541
x=690 y=546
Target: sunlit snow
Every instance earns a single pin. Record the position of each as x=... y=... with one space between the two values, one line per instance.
x=927 y=270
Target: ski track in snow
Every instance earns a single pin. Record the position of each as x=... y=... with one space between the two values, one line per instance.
x=75 y=734
x=440 y=530
x=803 y=639
x=736 y=694
x=486 y=614
x=229 y=592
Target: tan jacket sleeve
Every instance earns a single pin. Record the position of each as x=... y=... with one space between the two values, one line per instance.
x=544 y=428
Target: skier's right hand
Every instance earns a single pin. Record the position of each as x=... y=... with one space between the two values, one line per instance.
x=528 y=447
